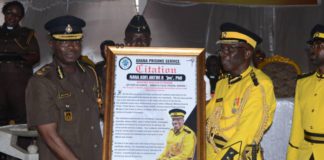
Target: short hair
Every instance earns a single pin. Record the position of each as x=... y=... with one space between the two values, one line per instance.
x=14 y=3
x=106 y=42
x=212 y=58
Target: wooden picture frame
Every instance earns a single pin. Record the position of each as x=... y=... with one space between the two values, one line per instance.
x=122 y=81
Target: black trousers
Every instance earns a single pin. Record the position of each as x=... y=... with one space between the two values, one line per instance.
x=312 y=157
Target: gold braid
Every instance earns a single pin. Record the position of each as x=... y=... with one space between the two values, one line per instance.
x=99 y=90
x=213 y=122
x=265 y=117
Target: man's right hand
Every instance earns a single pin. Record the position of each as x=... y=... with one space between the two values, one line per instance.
x=55 y=142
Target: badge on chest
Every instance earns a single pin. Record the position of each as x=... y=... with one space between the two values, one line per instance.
x=68 y=116
x=236 y=105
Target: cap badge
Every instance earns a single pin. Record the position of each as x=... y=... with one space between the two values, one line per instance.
x=68 y=29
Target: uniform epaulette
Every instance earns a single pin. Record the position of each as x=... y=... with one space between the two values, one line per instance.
x=43 y=71
x=187 y=130
x=87 y=61
x=254 y=79
x=304 y=75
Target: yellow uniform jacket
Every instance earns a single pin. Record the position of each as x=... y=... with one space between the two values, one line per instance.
x=237 y=116
x=180 y=145
x=307 y=132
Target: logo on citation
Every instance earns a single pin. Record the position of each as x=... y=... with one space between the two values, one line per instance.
x=125 y=63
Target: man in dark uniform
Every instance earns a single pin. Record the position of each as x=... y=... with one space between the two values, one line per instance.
x=138 y=32
x=19 y=51
x=62 y=97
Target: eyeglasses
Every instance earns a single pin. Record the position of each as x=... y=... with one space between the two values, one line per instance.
x=229 y=49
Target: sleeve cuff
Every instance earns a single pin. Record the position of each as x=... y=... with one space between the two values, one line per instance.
x=229 y=155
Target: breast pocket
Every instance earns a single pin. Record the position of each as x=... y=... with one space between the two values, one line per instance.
x=68 y=125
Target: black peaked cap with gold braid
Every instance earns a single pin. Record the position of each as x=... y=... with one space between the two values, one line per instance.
x=138 y=24
x=177 y=113
x=231 y=33
x=65 y=28
x=317 y=34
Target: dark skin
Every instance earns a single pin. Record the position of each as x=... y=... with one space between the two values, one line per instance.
x=213 y=66
x=66 y=54
x=317 y=55
x=13 y=16
x=236 y=57
x=137 y=39
x=258 y=57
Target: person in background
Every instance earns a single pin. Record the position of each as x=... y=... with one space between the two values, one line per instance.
x=307 y=131
x=138 y=33
x=258 y=57
x=63 y=99
x=244 y=103
x=101 y=66
x=101 y=69
x=19 y=52
x=213 y=71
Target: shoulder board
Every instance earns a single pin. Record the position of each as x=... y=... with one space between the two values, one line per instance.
x=86 y=60
x=254 y=79
x=305 y=75
x=187 y=130
x=43 y=71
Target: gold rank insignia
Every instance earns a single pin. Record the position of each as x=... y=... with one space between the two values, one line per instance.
x=64 y=94
x=42 y=71
x=68 y=116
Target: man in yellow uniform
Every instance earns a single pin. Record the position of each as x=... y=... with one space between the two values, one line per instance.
x=181 y=141
x=307 y=132
x=244 y=102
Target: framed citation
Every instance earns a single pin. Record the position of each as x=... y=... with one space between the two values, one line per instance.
x=154 y=103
